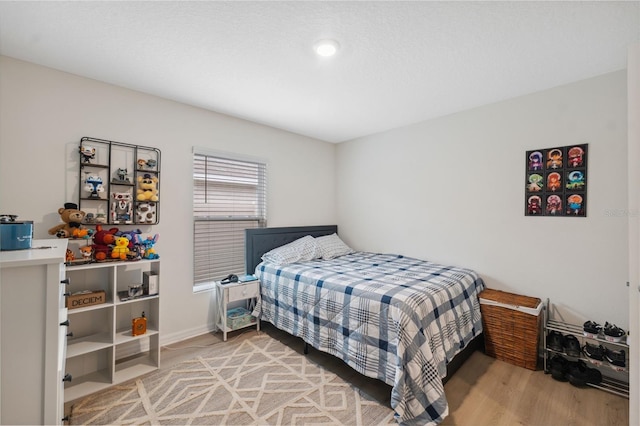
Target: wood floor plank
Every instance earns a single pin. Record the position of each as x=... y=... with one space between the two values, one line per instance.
x=483 y=392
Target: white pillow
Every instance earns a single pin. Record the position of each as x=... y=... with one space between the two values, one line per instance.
x=332 y=246
x=302 y=249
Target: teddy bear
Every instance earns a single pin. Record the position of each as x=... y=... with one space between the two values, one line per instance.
x=72 y=226
x=147 y=188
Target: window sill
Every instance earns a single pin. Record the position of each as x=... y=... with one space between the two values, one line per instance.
x=201 y=288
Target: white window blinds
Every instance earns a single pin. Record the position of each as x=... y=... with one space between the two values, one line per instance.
x=229 y=196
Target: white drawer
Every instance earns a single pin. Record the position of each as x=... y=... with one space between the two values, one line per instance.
x=244 y=291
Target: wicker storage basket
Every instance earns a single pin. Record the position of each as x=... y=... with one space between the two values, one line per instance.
x=511 y=325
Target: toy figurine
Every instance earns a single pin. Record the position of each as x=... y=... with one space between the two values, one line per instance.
x=89 y=218
x=141 y=164
x=86 y=252
x=151 y=164
x=121 y=207
x=121 y=176
x=93 y=186
x=88 y=153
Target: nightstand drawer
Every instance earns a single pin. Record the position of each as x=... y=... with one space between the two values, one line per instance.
x=244 y=291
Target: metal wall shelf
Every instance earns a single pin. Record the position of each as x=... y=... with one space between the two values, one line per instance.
x=114 y=182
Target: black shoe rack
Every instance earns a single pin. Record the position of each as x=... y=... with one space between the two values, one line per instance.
x=615 y=379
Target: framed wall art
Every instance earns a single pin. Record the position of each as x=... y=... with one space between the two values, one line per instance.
x=556 y=181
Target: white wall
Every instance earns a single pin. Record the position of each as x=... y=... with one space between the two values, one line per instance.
x=43 y=115
x=451 y=190
x=633 y=114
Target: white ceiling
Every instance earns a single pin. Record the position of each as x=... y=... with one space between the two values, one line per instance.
x=399 y=63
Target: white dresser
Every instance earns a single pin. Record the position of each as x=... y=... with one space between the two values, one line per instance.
x=32 y=339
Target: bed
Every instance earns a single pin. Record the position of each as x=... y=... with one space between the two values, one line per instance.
x=404 y=321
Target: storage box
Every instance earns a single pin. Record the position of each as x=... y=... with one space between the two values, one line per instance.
x=239 y=317
x=150 y=282
x=511 y=325
x=83 y=299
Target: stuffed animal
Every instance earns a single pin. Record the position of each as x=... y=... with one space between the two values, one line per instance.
x=133 y=235
x=149 y=251
x=146 y=212
x=121 y=249
x=72 y=218
x=147 y=188
x=102 y=239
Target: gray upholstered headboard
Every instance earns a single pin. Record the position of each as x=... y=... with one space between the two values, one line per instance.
x=261 y=240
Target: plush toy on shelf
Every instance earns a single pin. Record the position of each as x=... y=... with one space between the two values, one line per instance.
x=102 y=240
x=146 y=212
x=148 y=244
x=72 y=226
x=147 y=188
x=121 y=248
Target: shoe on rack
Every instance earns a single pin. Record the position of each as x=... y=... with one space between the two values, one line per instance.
x=554 y=341
x=578 y=373
x=591 y=329
x=571 y=345
x=559 y=368
x=594 y=376
x=614 y=357
x=593 y=351
x=613 y=333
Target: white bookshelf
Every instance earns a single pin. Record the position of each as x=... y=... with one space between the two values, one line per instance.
x=102 y=351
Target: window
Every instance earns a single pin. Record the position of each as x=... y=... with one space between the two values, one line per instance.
x=229 y=196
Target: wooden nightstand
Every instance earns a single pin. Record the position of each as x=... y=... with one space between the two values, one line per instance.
x=233 y=292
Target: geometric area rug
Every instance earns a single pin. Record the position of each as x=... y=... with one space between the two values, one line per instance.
x=252 y=381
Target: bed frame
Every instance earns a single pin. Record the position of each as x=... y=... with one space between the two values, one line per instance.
x=261 y=240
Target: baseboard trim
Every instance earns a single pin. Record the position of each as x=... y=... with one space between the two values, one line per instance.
x=169 y=339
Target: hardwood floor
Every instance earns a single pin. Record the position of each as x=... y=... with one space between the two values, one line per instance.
x=484 y=391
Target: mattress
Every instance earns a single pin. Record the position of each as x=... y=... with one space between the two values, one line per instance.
x=390 y=317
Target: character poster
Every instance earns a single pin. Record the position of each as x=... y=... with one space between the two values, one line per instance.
x=556 y=181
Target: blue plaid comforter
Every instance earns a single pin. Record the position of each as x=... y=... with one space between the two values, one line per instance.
x=394 y=318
